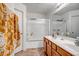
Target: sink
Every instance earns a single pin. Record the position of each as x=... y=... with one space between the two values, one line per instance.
x=66 y=42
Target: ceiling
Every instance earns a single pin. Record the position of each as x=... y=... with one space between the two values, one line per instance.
x=47 y=8
x=43 y=8
x=69 y=7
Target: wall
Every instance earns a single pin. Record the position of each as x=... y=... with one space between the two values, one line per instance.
x=47 y=26
x=21 y=7
x=35 y=15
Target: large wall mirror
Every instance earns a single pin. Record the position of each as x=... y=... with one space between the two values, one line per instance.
x=66 y=24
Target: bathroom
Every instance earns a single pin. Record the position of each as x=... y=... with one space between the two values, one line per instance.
x=40 y=25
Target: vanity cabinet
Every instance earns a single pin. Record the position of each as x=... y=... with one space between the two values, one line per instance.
x=52 y=49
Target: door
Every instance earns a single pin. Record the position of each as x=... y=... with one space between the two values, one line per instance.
x=20 y=22
x=75 y=26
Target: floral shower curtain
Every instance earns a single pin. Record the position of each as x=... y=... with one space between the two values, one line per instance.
x=9 y=29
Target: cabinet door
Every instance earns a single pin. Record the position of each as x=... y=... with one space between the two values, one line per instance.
x=53 y=46
x=55 y=53
x=49 y=50
x=63 y=52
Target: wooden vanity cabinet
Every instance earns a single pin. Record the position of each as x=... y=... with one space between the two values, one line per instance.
x=52 y=49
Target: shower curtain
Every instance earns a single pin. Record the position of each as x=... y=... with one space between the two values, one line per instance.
x=9 y=30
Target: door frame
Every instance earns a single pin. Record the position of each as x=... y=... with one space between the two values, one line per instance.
x=22 y=23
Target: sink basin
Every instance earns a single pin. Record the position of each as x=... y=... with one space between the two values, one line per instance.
x=66 y=42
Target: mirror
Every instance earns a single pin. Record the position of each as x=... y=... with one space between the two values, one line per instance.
x=58 y=24
x=73 y=30
x=66 y=22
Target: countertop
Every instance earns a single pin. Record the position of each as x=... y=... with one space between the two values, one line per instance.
x=67 y=44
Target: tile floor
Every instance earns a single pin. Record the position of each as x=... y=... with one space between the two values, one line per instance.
x=31 y=52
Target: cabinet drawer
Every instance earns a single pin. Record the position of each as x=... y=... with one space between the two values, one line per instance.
x=55 y=53
x=62 y=52
x=53 y=46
